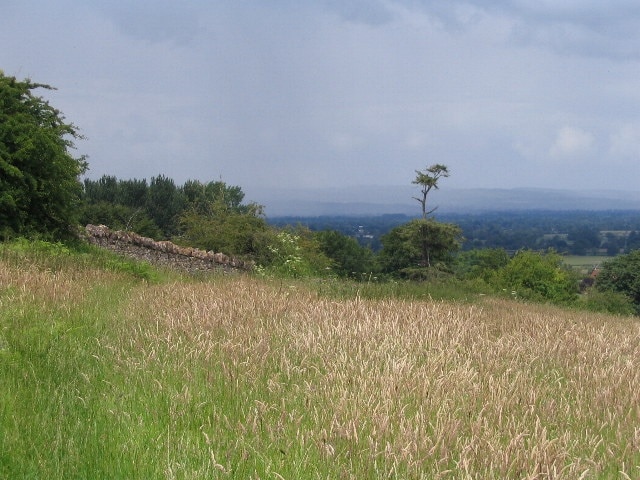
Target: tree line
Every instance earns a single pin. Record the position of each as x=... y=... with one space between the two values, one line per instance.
x=569 y=233
x=42 y=196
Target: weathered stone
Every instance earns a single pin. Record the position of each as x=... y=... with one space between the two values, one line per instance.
x=163 y=253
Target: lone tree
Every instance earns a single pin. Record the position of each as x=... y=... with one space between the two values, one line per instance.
x=425 y=229
x=428 y=180
x=40 y=188
x=411 y=249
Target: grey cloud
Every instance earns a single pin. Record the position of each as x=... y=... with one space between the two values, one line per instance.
x=573 y=27
x=370 y=12
x=154 y=20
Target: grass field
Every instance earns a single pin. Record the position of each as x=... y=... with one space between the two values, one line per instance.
x=585 y=263
x=106 y=375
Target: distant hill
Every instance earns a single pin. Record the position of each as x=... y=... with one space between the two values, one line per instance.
x=380 y=200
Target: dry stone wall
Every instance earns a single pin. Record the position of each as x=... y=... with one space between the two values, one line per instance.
x=163 y=253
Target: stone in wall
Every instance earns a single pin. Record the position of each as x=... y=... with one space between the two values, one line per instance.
x=162 y=253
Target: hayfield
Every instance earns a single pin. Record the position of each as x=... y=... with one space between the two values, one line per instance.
x=103 y=375
x=585 y=263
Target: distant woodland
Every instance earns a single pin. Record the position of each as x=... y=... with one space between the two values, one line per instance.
x=568 y=232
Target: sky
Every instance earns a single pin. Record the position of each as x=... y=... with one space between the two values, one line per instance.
x=338 y=93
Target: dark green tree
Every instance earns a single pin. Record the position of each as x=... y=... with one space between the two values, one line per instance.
x=105 y=189
x=40 y=190
x=133 y=193
x=584 y=240
x=165 y=203
x=119 y=204
x=120 y=217
x=621 y=274
x=481 y=263
x=199 y=196
x=633 y=242
x=403 y=248
x=349 y=258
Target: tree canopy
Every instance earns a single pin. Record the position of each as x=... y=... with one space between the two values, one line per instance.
x=417 y=245
x=40 y=188
x=428 y=180
x=622 y=275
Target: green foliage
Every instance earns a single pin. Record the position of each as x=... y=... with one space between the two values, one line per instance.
x=350 y=260
x=120 y=217
x=419 y=243
x=606 y=302
x=39 y=186
x=622 y=275
x=481 y=263
x=585 y=239
x=38 y=249
x=199 y=196
x=215 y=226
x=164 y=204
x=372 y=287
x=108 y=189
x=539 y=277
x=162 y=209
x=428 y=180
x=294 y=254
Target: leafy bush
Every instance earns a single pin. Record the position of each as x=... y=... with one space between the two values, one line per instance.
x=418 y=244
x=622 y=275
x=481 y=263
x=350 y=259
x=295 y=255
x=120 y=217
x=539 y=277
x=607 y=302
x=222 y=230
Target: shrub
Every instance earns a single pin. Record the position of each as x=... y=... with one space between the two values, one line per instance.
x=293 y=255
x=622 y=275
x=538 y=276
x=607 y=302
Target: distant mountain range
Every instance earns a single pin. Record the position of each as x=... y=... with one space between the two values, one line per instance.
x=381 y=200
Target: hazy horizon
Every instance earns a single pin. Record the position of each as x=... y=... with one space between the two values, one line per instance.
x=379 y=200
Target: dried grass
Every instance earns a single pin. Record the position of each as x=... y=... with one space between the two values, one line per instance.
x=415 y=389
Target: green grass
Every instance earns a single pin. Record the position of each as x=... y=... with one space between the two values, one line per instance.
x=89 y=390
x=449 y=289
x=584 y=263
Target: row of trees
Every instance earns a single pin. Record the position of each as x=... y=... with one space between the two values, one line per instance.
x=41 y=195
x=157 y=208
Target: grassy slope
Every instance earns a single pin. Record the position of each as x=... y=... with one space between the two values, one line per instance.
x=103 y=375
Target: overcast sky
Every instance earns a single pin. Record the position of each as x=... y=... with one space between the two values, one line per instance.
x=282 y=93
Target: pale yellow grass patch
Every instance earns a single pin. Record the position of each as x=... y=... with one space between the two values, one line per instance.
x=497 y=390
x=61 y=290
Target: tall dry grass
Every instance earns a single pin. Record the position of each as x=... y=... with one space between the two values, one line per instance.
x=395 y=389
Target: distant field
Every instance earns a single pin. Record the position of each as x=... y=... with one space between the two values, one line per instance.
x=585 y=262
